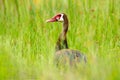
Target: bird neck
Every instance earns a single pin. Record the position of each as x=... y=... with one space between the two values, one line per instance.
x=62 y=40
x=64 y=30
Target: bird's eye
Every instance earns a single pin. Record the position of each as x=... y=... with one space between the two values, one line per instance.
x=57 y=18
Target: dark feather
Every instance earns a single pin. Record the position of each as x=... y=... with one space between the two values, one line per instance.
x=68 y=56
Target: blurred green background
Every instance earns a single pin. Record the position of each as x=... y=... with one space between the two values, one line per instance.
x=27 y=42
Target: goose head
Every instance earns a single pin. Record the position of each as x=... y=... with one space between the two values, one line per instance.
x=57 y=18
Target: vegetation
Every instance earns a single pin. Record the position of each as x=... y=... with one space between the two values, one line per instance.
x=27 y=42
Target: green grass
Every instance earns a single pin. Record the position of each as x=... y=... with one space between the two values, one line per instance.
x=27 y=42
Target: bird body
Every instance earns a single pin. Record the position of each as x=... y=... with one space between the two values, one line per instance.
x=69 y=56
x=63 y=54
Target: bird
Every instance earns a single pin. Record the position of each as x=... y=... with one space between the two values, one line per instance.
x=64 y=55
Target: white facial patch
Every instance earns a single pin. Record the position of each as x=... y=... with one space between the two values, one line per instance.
x=61 y=18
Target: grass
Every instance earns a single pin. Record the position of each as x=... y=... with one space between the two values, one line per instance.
x=27 y=43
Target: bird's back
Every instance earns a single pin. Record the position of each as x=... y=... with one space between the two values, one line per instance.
x=70 y=57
